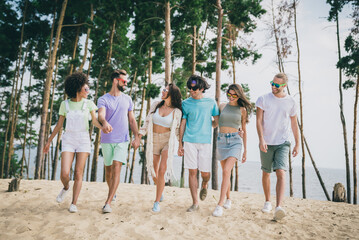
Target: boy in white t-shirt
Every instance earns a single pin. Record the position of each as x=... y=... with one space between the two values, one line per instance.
x=276 y=112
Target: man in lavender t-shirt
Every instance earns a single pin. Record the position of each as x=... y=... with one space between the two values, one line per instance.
x=115 y=114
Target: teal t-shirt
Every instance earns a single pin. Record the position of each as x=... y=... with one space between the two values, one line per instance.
x=198 y=114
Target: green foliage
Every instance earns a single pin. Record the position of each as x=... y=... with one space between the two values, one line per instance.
x=152 y=90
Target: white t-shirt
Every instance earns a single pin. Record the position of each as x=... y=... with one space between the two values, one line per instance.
x=276 y=117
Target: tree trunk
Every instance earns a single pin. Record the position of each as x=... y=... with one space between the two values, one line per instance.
x=236 y=185
x=26 y=123
x=87 y=41
x=131 y=135
x=50 y=119
x=138 y=125
x=12 y=98
x=218 y=93
x=194 y=52
x=45 y=103
x=342 y=117
x=354 y=141
x=167 y=43
x=17 y=100
x=74 y=51
x=300 y=99
x=97 y=139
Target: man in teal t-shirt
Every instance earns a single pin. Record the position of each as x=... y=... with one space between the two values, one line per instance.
x=196 y=133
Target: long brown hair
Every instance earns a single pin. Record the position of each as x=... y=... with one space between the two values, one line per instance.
x=176 y=97
x=242 y=100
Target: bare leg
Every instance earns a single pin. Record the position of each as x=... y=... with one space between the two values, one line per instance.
x=205 y=178
x=266 y=185
x=66 y=162
x=156 y=164
x=227 y=166
x=108 y=175
x=79 y=172
x=161 y=175
x=280 y=187
x=193 y=184
x=116 y=171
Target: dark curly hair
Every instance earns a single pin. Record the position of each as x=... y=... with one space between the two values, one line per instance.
x=176 y=98
x=200 y=82
x=74 y=83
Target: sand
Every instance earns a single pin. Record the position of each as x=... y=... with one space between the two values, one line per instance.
x=33 y=213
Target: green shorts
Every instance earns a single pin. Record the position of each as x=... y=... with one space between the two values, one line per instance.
x=276 y=157
x=114 y=152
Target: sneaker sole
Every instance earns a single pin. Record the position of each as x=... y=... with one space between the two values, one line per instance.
x=266 y=211
x=279 y=215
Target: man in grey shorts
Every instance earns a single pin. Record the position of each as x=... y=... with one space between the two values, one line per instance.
x=276 y=113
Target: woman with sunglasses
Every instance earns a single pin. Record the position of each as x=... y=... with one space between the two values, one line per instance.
x=162 y=128
x=76 y=139
x=232 y=125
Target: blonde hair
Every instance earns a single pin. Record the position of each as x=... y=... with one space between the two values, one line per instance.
x=282 y=76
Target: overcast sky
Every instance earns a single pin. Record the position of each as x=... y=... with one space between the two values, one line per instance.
x=318 y=46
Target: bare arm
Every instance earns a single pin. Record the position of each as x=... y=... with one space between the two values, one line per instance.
x=95 y=122
x=181 y=132
x=57 y=128
x=215 y=121
x=295 y=130
x=262 y=143
x=106 y=127
x=134 y=129
x=244 y=129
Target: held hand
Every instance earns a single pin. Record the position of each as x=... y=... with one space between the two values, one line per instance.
x=136 y=143
x=180 y=151
x=240 y=133
x=47 y=147
x=106 y=128
x=244 y=157
x=295 y=150
x=263 y=146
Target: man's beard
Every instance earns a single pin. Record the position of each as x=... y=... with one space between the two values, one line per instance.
x=121 y=88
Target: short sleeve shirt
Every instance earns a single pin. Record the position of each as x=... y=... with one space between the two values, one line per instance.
x=117 y=108
x=276 y=117
x=73 y=106
x=198 y=114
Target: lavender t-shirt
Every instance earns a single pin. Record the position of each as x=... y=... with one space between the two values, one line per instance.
x=117 y=109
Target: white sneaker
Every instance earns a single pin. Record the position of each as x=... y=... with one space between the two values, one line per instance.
x=279 y=213
x=227 y=204
x=107 y=208
x=114 y=198
x=72 y=208
x=61 y=196
x=267 y=207
x=218 y=212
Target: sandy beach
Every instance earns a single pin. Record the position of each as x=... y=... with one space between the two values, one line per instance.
x=33 y=213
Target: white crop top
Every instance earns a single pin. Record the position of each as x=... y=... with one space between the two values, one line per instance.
x=162 y=121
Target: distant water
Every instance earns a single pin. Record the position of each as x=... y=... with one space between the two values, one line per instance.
x=249 y=177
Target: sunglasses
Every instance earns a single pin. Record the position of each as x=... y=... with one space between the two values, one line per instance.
x=164 y=90
x=231 y=95
x=276 y=84
x=87 y=89
x=122 y=80
x=194 y=88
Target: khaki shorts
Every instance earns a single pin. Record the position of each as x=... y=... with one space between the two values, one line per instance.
x=160 y=142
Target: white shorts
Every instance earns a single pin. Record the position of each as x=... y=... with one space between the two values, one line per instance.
x=198 y=156
x=76 y=142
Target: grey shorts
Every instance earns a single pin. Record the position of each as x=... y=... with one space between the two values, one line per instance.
x=276 y=157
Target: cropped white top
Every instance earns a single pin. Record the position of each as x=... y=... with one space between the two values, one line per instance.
x=162 y=121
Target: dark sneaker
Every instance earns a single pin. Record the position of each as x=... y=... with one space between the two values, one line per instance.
x=203 y=194
x=193 y=208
